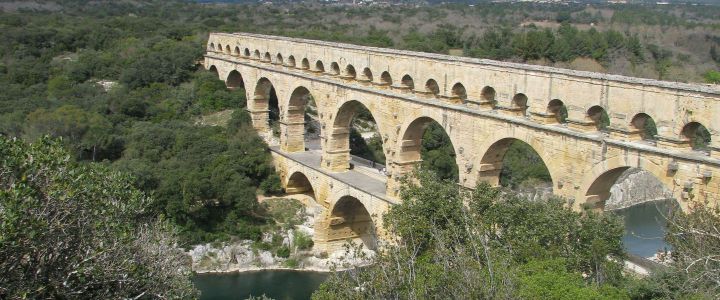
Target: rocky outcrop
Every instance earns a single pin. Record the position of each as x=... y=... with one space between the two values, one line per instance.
x=636 y=186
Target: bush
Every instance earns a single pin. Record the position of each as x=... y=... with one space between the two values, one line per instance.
x=283 y=252
x=271 y=185
x=302 y=240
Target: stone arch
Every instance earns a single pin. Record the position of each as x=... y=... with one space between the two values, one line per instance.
x=219 y=47
x=319 y=66
x=407 y=82
x=596 y=185
x=386 y=79
x=234 y=80
x=227 y=49
x=488 y=95
x=643 y=126
x=246 y=52
x=351 y=220
x=519 y=103
x=598 y=116
x=557 y=109
x=256 y=54
x=211 y=46
x=492 y=159
x=337 y=153
x=458 y=92
x=291 y=61
x=367 y=74
x=213 y=69
x=349 y=72
x=293 y=137
x=279 y=59
x=261 y=106
x=411 y=142
x=237 y=51
x=432 y=87
x=697 y=135
x=334 y=68
x=299 y=183
x=267 y=57
x=305 y=64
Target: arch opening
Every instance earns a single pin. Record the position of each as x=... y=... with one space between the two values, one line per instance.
x=214 y=70
x=237 y=51
x=234 y=80
x=350 y=72
x=519 y=102
x=697 y=135
x=386 y=79
x=247 y=52
x=266 y=100
x=355 y=139
x=305 y=64
x=211 y=47
x=408 y=82
x=432 y=87
x=599 y=117
x=334 y=68
x=227 y=49
x=319 y=67
x=299 y=184
x=302 y=130
x=256 y=54
x=219 y=48
x=515 y=164
x=645 y=126
x=279 y=59
x=350 y=220
x=367 y=74
x=557 y=108
x=426 y=141
x=458 y=91
x=291 y=61
x=267 y=57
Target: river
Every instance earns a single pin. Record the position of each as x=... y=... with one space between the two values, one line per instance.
x=645 y=227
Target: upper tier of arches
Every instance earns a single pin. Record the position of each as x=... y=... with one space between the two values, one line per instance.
x=614 y=114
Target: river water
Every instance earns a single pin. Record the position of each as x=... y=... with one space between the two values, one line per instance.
x=644 y=227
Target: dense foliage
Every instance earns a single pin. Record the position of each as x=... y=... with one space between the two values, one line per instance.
x=69 y=229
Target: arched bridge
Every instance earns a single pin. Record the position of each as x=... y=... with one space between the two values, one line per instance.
x=482 y=105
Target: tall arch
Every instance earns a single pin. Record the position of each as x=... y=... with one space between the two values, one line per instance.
x=599 y=117
x=386 y=79
x=697 y=135
x=644 y=126
x=350 y=220
x=319 y=66
x=291 y=61
x=293 y=135
x=432 y=87
x=527 y=164
x=336 y=151
x=557 y=108
x=264 y=108
x=234 y=80
x=334 y=68
x=426 y=142
x=407 y=82
x=599 y=191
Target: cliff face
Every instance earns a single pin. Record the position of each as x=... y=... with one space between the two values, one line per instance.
x=636 y=186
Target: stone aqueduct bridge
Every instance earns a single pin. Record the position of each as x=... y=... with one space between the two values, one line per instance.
x=482 y=105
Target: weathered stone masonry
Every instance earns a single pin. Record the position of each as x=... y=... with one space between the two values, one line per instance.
x=483 y=105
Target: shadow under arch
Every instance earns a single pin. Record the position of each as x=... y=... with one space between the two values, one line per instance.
x=299 y=183
x=350 y=220
x=214 y=70
x=514 y=163
x=600 y=190
x=338 y=147
x=295 y=121
x=234 y=80
x=265 y=100
x=425 y=141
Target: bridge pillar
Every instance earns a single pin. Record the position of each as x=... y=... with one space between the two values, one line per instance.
x=336 y=154
x=490 y=173
x=398 y=170
x=259 y=113
x=292 y=130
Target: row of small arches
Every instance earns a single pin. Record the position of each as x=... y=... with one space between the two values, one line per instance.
x=695 y=133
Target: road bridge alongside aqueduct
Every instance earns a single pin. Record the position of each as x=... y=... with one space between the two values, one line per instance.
x=483 y=106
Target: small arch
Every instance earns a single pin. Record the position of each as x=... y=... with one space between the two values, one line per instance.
x=267 y=57
x=368 y=74
x=407 y=82
x=385 y=78
x=234 y=80
x=298 y=183
x=291 y=61
x=697 y=135
x=432 y=87
x=557 y=108
x=350 y=72
x=219 y=48
x=488 y=94
x=334 y=68
x=350 y=219
x=227 y=49
x=645 y=124
x=599 y=117
x=256 y=54
x=214 y=70
x=247 y=52
x=279 y=58
x=519 y=102
x=319 y=66
x=211 y=47
x=458 y=91
x=305 y=65
x=237 y=51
